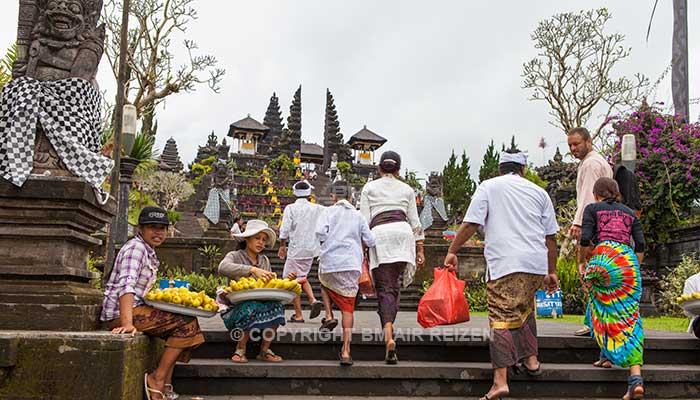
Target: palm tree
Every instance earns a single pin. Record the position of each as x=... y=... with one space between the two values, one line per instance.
x=679 y=60
x=6 y=65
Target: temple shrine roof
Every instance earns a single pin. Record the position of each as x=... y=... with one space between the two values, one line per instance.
x=366 y=137
x=247 y=125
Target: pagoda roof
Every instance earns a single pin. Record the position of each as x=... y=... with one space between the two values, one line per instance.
x=311 y=149
x=366 y=136
x=247 y=124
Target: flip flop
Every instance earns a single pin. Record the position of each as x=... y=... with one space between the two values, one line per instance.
x=263 y=357
x=391 y=357
x=328 y=325
x=293 y=320
x=603 y=363
x=486 y=396
x=148 y=390
x=345 y=361
x=241 y=356
x=315 y=310
x=170 y=392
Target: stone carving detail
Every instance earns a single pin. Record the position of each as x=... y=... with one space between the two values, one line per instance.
x=65 y=41
x=57 y=39
x=434 y=186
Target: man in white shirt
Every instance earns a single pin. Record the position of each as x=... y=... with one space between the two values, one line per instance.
x=591 y=167
x=521 y=252
x=692 y=285
x=299 y=228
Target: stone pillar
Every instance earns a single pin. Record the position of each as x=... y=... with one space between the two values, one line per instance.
x=46 y=229
x=127 y=166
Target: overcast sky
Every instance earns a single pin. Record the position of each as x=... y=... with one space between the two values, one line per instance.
x=428 y=76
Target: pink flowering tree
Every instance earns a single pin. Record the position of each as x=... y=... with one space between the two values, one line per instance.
x=668 y=167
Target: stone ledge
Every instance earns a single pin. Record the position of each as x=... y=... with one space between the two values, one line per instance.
x=77 y=365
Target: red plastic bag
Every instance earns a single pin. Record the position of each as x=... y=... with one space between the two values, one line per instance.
x=444 y=302
x=366 y=285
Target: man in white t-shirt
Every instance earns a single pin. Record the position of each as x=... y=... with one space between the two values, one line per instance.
x=299 y=229
x=521 y=252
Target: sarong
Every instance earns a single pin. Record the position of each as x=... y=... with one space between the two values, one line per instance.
x=252 y=314
x=178 y=331
x=614 y=285
x=511 y=302
x=387 y=284
x=342 y=288
x=301 y=267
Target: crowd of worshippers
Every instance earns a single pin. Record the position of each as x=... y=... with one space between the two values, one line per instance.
x=385 y=234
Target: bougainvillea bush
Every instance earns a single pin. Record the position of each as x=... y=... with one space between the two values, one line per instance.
x=668 y=167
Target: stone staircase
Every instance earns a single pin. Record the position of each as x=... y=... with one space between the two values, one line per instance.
x=447 y=362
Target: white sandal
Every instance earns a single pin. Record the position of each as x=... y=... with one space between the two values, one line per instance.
x=148 y=390
x=170 y=392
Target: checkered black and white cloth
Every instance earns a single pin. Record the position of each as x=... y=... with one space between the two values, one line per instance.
x=69 y=112
x=211 y=210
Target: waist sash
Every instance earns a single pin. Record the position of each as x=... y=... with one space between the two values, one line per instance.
x=388 y=217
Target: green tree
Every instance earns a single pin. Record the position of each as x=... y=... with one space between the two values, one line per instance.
x=458 y=186
x=6 y=65
x=411 y=180
x=489 y=166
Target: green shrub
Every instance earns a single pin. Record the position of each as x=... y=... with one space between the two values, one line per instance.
x=198 y=282
x=92 y=267
x=573 y=293
x=672 y=285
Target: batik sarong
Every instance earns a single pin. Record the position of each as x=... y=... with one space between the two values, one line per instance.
x=178 y=331
x=511 y=304
x=252 y=314
x=614 y=285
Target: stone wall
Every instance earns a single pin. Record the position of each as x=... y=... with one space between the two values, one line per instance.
x=471 y=261
x=74 y=365
x=683 y=241
x=184 y=252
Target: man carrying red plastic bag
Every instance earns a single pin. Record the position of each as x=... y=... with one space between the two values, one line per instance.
x=444 y=302
x=521 y=252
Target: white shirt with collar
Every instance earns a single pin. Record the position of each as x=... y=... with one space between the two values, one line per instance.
x=516 y=215
x=298 y=226
x=341 y=230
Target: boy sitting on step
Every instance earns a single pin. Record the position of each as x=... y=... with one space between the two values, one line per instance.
x=341 y=229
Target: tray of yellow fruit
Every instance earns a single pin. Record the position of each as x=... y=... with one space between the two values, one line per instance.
x=247 y=288
x=690 y=303
x=182 y=301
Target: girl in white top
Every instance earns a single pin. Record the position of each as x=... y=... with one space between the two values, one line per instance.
x=389 y=205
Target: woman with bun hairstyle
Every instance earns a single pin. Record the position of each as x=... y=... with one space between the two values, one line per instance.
x=609 y=267
x=389 y=205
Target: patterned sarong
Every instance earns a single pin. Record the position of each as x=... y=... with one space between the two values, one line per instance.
x=251 y=314
x=178 y=331
x=511 y=304
x=614 y=284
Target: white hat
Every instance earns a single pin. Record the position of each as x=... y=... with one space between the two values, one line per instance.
x=255 y=226
x=518 y=158
x=302 y=192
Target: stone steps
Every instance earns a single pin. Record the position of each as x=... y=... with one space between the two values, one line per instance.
x=415 y=344
x=422 y=379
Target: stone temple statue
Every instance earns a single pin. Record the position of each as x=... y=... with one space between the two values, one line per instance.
x=50 y=119
x=219 y=193
x=65 y=42
x=433 y=217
